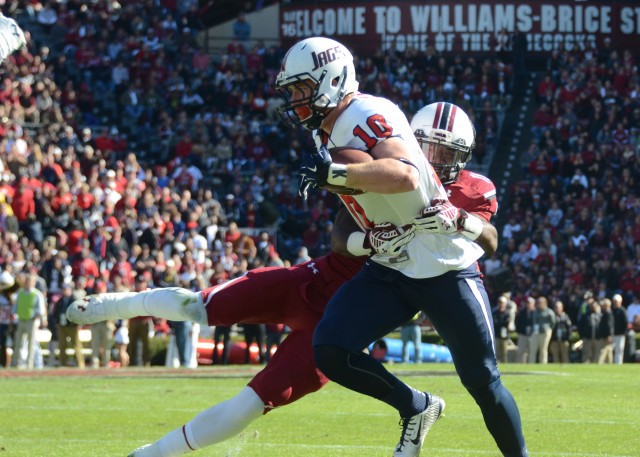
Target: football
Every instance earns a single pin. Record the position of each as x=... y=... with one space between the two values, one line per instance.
x=345 y=155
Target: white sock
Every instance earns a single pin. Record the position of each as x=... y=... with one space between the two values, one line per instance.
x=173 y=303
x=226 y=419
x=213 y=425
x=173 y=444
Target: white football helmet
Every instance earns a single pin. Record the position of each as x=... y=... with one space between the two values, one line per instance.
x=446 y=136
x=324 y=70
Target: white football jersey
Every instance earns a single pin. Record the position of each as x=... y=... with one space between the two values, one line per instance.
x=367 y=121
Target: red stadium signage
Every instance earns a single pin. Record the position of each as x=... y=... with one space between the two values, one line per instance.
x=465 y=26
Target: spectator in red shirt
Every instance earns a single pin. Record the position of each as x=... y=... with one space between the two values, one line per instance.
x=541 y=166
x=584 y=201
x=75 y=238
x=23 y=203
x=546 y=85
x=568 y=93
x=589 y=154
x=543 y=119
x=576 y=276
x=544 y=262
x=184 y=146
x=233 y=235
x=620 y=79
x=258 y=150
x=254 y=61
x=183 y=178
x=84 y=266
x=629 y=278
x=105 y=142
x=122 y=267
x=63 y=198
x=85 y=198
x=235 y=48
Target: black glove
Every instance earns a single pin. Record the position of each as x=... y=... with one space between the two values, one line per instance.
x=314 y=171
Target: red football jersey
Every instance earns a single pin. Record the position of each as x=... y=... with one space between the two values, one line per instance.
x=474 y=193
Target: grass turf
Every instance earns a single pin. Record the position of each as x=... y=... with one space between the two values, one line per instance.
x=571 y=410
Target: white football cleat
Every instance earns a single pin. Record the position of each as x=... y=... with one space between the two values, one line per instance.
x=97 y=308
x=414 y=429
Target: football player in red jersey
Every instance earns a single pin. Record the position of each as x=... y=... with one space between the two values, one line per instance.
x=295 y=296
x=474 y=193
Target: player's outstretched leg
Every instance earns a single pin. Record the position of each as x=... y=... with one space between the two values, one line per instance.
x=171 y=303
x=11 y=37
x=141 y=451
x=414 y=429
x=214 y=425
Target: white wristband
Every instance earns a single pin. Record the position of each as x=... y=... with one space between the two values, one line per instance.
x=472 y=227
x=355 y=244
x=337 y=175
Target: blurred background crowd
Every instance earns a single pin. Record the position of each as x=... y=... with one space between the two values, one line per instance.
x=133 y=155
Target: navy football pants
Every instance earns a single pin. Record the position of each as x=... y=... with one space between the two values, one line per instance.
x=377 y=301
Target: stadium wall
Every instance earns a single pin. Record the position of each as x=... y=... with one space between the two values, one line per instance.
x=264 y=26
x=471 y=26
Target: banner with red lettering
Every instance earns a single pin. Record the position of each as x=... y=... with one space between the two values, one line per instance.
x=474 y=26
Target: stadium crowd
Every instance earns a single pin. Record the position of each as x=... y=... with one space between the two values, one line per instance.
x=131 y=154
x=573 y=221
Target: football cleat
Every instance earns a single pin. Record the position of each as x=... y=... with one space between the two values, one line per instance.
x=96 y=308
x=414 y=429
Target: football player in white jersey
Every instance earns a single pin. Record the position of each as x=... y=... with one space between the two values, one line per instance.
x=436 y=271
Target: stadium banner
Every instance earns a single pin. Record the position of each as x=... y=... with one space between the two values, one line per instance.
x=473 y=26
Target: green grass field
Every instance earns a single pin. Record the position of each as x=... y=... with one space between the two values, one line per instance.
x=574 y=410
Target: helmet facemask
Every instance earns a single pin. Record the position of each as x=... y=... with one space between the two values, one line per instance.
x=447 y=137
x=308 y=111
x=316 y=74
x=446 y=158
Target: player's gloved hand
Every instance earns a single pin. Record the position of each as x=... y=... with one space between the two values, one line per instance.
x=314 y=170
x=11 y=37
x=387 y=239
x=442 y=217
